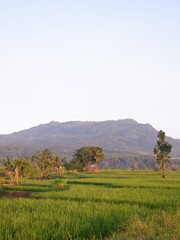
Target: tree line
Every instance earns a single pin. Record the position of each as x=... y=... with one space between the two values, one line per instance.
x=44 y=163
x=86 y=158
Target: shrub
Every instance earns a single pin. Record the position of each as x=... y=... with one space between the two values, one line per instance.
x=59 y=183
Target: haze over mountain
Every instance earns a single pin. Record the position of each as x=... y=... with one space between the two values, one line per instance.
x=121 y=136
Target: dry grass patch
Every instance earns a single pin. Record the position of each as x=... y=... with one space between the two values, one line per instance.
x=159 y=226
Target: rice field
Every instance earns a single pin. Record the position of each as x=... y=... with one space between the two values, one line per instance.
x=106 y=205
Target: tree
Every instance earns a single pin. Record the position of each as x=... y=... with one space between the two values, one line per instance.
x=24 y=166
x=162 y=150
x=97 y=156
x=9 y=166
x=87 y=156
x=81 y=157
x=58 y=163
x=44 y=161
x=12 y=170
x=75 y=164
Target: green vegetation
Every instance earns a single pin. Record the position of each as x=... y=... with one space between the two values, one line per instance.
x=59 y=183
x=162 y=151
x=44 y=163
x=40 y=165
x=86 y=158
x=126 y=143
x=121 y=205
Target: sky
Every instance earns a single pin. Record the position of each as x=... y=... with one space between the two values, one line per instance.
x=89 y=60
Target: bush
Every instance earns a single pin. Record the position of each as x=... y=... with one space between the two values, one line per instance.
x=59 y=183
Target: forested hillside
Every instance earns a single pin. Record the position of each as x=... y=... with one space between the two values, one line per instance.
x=121 y=139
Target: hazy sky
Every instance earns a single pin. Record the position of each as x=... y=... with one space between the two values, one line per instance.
x=94 y=60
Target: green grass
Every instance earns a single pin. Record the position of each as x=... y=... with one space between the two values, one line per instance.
x=159 y=225
x=106 y=205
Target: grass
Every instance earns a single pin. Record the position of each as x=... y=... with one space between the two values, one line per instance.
x=159 y=225
x=105 y=205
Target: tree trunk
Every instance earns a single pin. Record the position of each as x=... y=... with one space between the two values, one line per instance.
x=96 y=166
x=163 y=169
x=16 y=175
x=87 y=167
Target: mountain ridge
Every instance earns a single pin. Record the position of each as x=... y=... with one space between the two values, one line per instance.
x=123 y=135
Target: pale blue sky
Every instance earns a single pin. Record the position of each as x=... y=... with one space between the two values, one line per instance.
x=68 y=60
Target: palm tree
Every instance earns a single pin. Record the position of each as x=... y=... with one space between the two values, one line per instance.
x=97 y=156
x=58 y=163
x=44 y=161
x=9 y=167
x=23 y=165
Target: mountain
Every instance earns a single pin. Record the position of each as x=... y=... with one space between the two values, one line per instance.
x=121 y=136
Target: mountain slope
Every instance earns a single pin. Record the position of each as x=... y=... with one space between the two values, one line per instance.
x=113 y=136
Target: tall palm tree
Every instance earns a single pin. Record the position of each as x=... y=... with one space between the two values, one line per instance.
x=44 y=161
x=97 y=156
x=58 y=163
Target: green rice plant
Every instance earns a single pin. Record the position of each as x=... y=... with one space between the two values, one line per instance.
x=158 y=226
x=59 y=183
x=50 y=219
x=96 y=206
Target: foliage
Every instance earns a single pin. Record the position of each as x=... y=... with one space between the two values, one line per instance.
x=8 y=164
x=39 y=165
x=122 y=136
x=88 y=156
x=129 y=161
x=162 y=150
x=45 y=162
x=76 y=164
x=11 y=170
x=58 y=163
x=96 y=206
x=59 y=183
x=24 y=166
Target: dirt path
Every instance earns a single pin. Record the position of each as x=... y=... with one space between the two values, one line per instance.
x=15 y=194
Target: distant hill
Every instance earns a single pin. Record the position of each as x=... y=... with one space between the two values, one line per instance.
x=121 y=136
